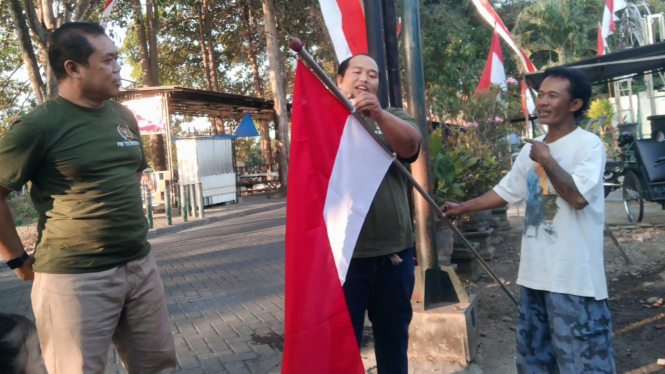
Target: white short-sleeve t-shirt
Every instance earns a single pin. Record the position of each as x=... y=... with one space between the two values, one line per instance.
x=562 y=248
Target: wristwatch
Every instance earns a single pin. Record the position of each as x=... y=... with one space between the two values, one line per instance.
x=17 y=262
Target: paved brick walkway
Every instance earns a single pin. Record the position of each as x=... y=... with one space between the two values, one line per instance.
x=225 y=293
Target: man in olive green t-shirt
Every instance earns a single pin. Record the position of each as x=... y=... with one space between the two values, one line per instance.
x=381 y=276
x=95 y=280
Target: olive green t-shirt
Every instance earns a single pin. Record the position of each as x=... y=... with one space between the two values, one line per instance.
x=82 y=166
x=388 y=228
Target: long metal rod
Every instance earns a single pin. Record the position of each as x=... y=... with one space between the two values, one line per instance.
x=617 y=244
x=296 y=45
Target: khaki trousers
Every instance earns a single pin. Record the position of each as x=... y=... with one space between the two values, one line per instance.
x=78 y=315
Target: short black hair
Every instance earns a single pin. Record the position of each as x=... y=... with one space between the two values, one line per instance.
x=578 y=85
x=344 y=65
x=70 y=42
x=14 y=333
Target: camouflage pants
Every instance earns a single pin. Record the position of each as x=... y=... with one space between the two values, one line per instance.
x=561 y=333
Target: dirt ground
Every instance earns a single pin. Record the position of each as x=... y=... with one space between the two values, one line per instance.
x=638 y=327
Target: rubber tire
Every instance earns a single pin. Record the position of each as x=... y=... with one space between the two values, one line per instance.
x=629 y=178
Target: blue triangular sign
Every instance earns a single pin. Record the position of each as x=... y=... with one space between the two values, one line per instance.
x=246 y=128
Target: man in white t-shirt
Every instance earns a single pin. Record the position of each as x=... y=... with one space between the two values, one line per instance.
x=564 y=321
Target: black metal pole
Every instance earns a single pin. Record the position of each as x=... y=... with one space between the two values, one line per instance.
x=415 y=89
x=376 y=47
x=392 y=54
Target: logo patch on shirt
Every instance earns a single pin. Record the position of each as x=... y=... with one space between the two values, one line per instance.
x=128 y=135
x=125 y=132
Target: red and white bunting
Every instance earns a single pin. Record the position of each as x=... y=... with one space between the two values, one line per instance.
x=487 y=12
x=345 y=21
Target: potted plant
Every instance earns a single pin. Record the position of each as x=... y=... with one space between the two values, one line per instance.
x=476 y=156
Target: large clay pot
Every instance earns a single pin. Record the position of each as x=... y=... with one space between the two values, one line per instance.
x=445 y=239
x=476 y=221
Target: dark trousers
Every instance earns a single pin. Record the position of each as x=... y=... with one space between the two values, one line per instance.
x=561 y=333
x=384 y=290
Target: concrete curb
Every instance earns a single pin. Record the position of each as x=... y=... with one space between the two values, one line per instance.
x=208 y=220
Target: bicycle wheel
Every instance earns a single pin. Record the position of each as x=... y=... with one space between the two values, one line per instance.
x=633 y=201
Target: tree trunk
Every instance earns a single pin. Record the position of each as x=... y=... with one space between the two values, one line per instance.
x=47 y=14
x=251 y=50
x=204 y=49
x=212 y=60
x=51 y=80
x=149 y=76
x=562 y=56
x=27 y=53
x=277 y=82
x=219 y=125
x=152 y=23
x=146 y=75
x=266 y=146
x=39 y=17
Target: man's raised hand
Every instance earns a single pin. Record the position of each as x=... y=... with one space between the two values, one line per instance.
x=368 y=104
x=540 y=152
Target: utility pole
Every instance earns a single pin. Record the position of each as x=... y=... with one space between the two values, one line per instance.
x=392 y=53
x=428 y=260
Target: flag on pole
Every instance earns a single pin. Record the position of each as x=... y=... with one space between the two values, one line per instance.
x=108 y=8
x=335 y=170
x=345 y=21
x=487 y=12
x=528 y=104
x=609 y=16
x=600 y=46
x=608 y=27
x=493 y=73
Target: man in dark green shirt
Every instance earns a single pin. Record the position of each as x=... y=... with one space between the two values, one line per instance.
x=95 y=279
x=380 y=278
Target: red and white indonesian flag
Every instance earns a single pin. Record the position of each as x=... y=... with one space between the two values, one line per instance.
x=608 y=27
x=335 y=168
x=611 y=6
x=108 y=8
x=345 y=21
x=600 y=47
x=493 y=73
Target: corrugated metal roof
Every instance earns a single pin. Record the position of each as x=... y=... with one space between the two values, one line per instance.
x=203 y=103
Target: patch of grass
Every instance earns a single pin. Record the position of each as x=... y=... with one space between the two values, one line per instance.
x=26 y=213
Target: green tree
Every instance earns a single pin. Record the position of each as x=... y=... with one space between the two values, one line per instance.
x=566 y=29
x=453 y=55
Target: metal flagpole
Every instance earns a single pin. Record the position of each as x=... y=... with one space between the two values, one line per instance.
x=296 y=45
x=376 y=46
